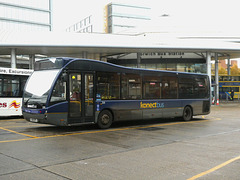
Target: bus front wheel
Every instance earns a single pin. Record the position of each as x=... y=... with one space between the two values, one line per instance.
x=105 y=119
x=187 y=113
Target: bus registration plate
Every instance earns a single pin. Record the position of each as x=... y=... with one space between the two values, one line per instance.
x=33 y=120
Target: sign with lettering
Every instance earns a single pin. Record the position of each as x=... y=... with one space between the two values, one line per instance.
x=12 y=71
x=162 y=55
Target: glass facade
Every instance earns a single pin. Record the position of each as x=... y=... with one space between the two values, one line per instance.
x=181 y=67
x=27 y=15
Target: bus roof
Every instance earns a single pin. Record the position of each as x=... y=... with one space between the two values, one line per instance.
x=68 y=62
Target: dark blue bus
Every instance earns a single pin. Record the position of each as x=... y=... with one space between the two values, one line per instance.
x=68 y=91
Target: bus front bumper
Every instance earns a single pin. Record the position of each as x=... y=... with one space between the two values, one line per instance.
x=35 y=118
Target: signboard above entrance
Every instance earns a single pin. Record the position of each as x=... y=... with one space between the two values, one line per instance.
x=161 y=55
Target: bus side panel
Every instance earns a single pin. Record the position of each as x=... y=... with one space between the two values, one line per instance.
x=134 y=109
x=58 y=114
x=10 y=106
x=123 y=110
x=152 y=108
x=200 y=107
x=128 y=114
x=172 y=108
x=152 y=113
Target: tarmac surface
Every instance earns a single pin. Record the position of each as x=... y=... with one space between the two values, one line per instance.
x=208 y=147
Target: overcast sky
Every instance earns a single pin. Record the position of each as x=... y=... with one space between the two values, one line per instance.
x=218 y=14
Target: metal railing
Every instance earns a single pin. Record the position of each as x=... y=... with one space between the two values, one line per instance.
x=229 y=98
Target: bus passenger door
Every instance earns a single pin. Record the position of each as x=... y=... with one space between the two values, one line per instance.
x=81 y=102
x=88 y=97
x=75 y=97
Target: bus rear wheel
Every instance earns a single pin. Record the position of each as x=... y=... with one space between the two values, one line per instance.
x=187 y=113
x=105 y=119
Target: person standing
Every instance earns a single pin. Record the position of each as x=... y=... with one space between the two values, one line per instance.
x=232 y=95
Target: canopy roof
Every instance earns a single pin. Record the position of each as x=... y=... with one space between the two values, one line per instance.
x=74 y=44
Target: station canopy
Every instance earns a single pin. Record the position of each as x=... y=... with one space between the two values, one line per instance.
x=74 y=44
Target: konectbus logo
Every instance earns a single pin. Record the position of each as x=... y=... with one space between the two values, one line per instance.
x=151 y=105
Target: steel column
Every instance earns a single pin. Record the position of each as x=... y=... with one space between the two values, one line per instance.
x=31 y=61
x=50 y=15
x=13 y=58
x=208 y=62
x=228 y=66
x=217 y=80
x=138 y=60
x=84 y=54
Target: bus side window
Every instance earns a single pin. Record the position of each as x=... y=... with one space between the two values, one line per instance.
x=185 y=88
x=169 y=89
x=10 y=87
x=108 y=85
x=200 y=88
x=151 y=87
x=131 y=86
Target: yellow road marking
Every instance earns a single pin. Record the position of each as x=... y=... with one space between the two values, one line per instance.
x=92 y=132
x=30 y=125
x=113 y=130
x=215 y=168
x=16 y=140
x=12 y=120
x=18 y=132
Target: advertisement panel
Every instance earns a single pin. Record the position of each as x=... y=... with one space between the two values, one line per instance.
x=10 y=106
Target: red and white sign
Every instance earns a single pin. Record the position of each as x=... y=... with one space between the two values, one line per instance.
x=10 y=106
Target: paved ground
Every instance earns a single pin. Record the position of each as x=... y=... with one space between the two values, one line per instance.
x=205 y=148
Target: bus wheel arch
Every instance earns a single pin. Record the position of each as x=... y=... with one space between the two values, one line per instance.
x=105 y=119
x=187 y=113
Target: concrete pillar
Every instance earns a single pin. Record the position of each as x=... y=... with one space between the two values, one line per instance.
x=13 y=58
x=217 y=80
x=31 y=61
x=228 y=66
x=138 y=60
